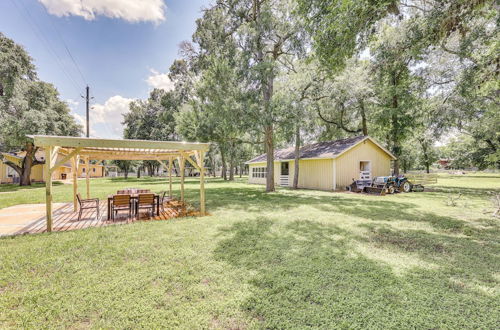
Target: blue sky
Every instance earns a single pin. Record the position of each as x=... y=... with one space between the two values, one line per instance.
x=122 y=51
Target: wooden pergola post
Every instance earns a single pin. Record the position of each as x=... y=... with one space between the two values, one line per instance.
x=201 y=161
x=170 y=164
x=182 y=161
x=87 y=175
x=48 y=186
x=199 y=165
x=74 y=168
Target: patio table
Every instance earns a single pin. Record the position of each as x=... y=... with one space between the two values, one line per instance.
x=134 y=198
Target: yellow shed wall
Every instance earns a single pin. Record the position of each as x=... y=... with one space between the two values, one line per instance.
x=347 y=165
x=37 y=173
x=3 y=173
x=57 y=174
x=314 y=173
x=98 y=170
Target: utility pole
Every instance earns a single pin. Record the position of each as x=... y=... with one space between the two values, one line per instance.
x=88 y=113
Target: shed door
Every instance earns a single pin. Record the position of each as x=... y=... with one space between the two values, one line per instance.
x=284 y=175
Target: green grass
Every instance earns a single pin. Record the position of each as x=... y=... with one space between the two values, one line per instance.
x=290 y=259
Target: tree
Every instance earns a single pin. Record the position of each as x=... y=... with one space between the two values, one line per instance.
x=466 y=29
x=349 y=97
x=28 y=107
x=152 y=119
x=340 y=28
x=264 y=33
x=399 y=91
x=125 y=166
x=298 y=90
x=462 y=42
x=35 y=108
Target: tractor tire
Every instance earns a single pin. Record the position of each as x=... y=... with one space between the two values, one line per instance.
x=390 y=190
x=405 y=187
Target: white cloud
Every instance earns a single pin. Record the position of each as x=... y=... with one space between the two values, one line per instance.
x=160 y=80
x=82 y=121
x=72 y=104
x=129 y=10
x=110 y=115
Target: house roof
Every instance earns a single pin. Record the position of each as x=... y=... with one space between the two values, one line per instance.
x=326 y=150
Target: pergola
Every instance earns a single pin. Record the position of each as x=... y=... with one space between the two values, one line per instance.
x=76 y=148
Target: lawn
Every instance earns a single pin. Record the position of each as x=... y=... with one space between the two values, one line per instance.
x=290 y=259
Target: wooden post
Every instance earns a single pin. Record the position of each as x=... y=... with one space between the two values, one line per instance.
x=181 y=161
x=48 y=186
x=74 y=168
x=170 y=163
x=87 y=175
x=201 y=159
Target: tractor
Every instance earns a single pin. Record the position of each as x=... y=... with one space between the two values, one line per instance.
x=382 y=185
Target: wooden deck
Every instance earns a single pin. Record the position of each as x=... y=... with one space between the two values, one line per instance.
x=66 y=219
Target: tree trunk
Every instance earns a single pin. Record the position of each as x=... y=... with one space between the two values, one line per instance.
x=241 y=170
x=24 y=171
x=364 y=125
x=224 y=168
x=139 y=172
x=269 y=134
x=426 y=156
x=297 y=157
x=211 y=161
x=396 y=147
x=231 y=164
x=270 y=158
x=125 y=173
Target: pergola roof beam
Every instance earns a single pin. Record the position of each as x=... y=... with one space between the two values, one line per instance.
x=76 y=142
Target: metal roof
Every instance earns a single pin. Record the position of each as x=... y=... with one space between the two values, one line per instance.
x=320 y=150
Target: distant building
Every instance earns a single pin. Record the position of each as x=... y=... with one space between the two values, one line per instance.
x=445 y=163
x=9 y=175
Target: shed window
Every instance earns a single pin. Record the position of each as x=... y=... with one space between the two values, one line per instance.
x=259 y=172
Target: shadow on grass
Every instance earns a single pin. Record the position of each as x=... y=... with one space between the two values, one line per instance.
x=473 y=258
x=484 y=192
x=254 y=200
x=306 y=274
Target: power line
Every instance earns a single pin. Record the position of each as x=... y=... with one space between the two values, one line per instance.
x=65 y=45
x=40 y=36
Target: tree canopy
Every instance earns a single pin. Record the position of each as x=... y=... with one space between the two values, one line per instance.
x=28 y=106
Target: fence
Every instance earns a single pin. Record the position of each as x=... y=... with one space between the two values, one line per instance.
x=423 y=178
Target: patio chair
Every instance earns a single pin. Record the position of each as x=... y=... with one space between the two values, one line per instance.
x=122 y=192
x=121 y=203
x=145 y=201
x=87 y=204
x=143 y=191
